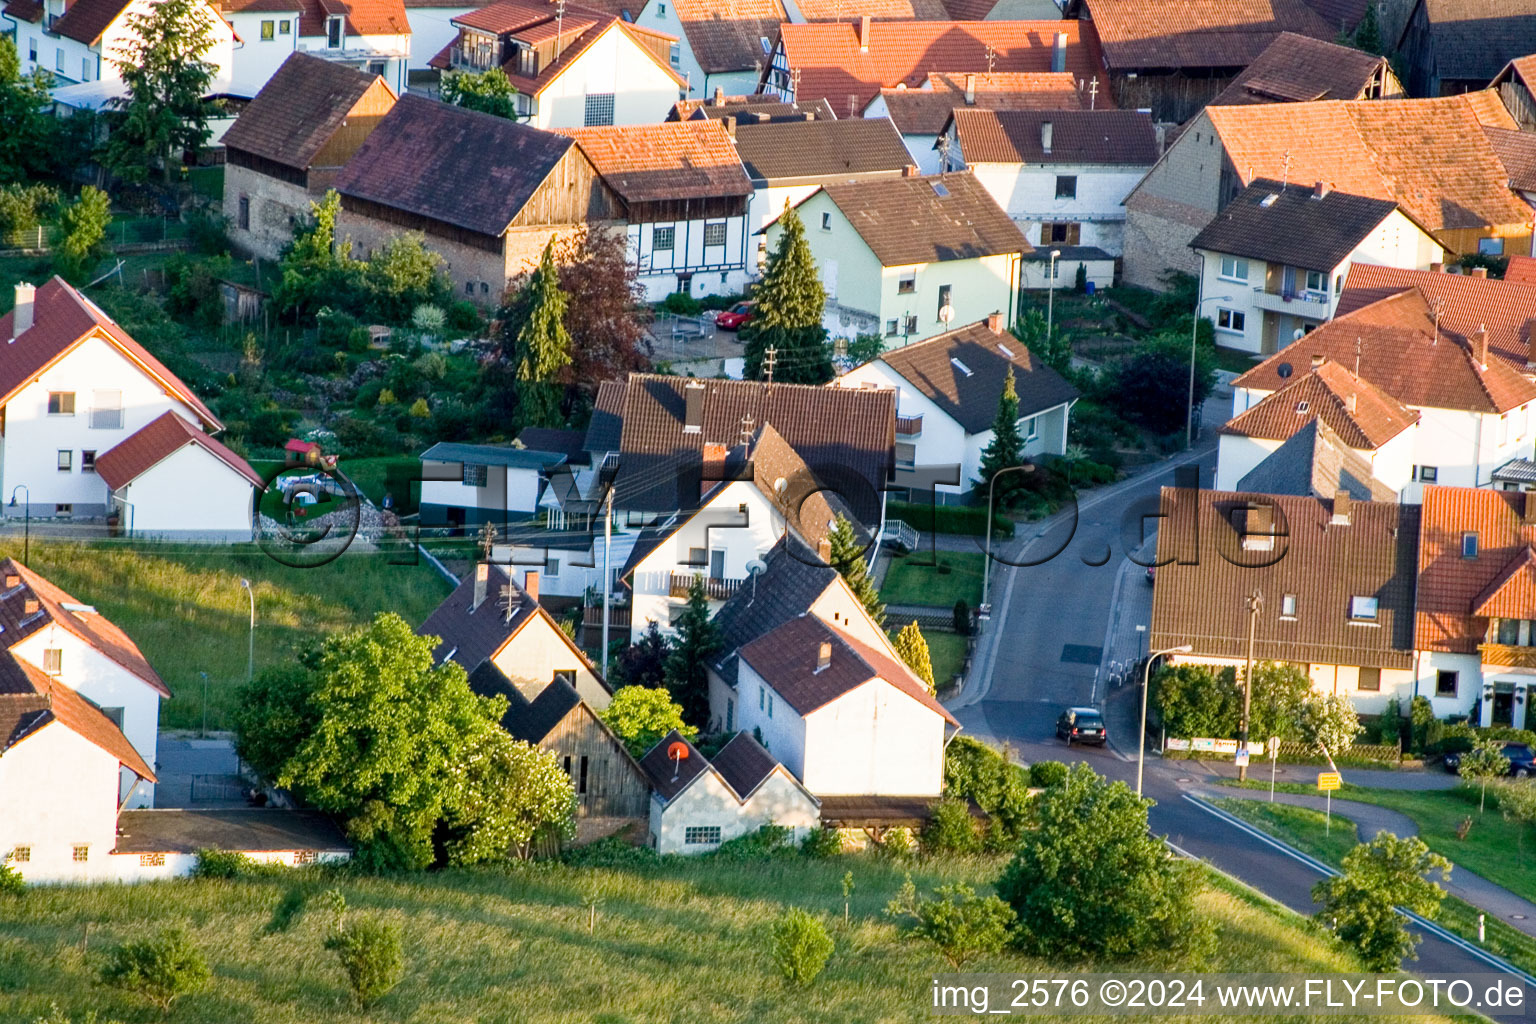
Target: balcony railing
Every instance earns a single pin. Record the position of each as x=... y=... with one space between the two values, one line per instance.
x=715 y=587
x=909 y=426
x=1313 y=305
x=1508 y=655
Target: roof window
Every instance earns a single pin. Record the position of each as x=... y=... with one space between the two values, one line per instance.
x=1302 y=406
x=1268 y=200
x=960 y=366
x=940 y=190
x=1004 y=350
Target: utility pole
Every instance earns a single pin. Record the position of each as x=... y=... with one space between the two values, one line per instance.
x=607 y=571
x=1255 y=602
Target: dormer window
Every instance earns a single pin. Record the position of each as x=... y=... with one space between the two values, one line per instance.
x=527 y=61
x=335 y=30
x=1255 y=524
x=1469 y=545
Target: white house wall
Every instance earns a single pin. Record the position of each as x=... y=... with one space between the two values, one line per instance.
x=539 y=650
x=1236 y=457
x=709 y=802
x=78 y=62
x=642 y=92
x=393 y=51
x=191 y=494
x=58 y=790
x=662 y=17
x=257 y=59
x=761 y=711
x=1028 y=193
x=875 y=739
x=432 y=29
x=715 y=269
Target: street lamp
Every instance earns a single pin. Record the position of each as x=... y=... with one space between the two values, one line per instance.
x=1146 y=680
x=250 y=651
x=986 y=566
x=1050 y=300
x=1194 y=336
x=26 y=529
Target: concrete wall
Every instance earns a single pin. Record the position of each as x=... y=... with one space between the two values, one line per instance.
x=191 y=491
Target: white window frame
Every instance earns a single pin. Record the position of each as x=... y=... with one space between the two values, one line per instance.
x=1364 y=608
x=1238 y=272
x=1287 y=606
x=1232 y=317
x=701 y=835
x=669 y=232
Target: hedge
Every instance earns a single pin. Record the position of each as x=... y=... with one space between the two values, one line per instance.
x=956 y=519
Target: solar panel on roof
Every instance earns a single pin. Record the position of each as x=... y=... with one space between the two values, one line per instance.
x=940 y=190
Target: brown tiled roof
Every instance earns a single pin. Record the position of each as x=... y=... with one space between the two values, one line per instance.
x=1200 y=594
x=302 y=105
x=786 y=659
x=62 y=318
x=729 y=39
x=1296 y=68
x=1516 y=150
x=1465 y=303
x=24 y=10
x=1474 y=39
x=750 y=110
x=744 y=764
x=832 y=65
x=928 y=219
x=1523 y=68
x=85 y=20
x=254 y=6
x=1357 y=411
x=1118 y=137
x=90 y=626
x=364 y=17
x=1342 y=14
x=924 y=111
x=471 y=170
x=1170 y=34
x=524 y=719
x=668 y=777
x=1396 y=347
x=821 y=152
x=23 y=713
x=971 y=398
x=156 y=441
x=1429 y=155
x=810 y=502
x=1314 y=462
x=1453 y=589
x=605 y=428
x=658 y=162
x=884 y=10
x=1293 y=225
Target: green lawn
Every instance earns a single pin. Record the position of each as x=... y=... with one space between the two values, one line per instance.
x=683 y=941
x=186 y=610
x=915 y=579
x=1234 y=361
x=946 y=651
x=1306 y=830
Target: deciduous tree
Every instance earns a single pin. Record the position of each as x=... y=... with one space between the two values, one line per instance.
x=641 y=716
x=162 y=969
x=164 y=69
x=962 y=924
x=1329 y=723
x=644 y=662
x=1279 y=691
x=316 y=265
x=789 y=301
x=27 y=129
x=83 y=232
x=1485 y=761
x=1377 y=876
x=509 y=794
x=1194 y=701
x=489 y=92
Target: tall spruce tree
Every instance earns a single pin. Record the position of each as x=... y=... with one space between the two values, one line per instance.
x=847 y=557
x=543 y=347
x=1006 y=449
x=163 y=69
x=913 y=648
x=787 y=314
x=697 y=641
x=1368 y=32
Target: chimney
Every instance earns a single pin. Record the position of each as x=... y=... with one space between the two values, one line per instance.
x=1318 y=359
x=12 y=581
x=719 y=100
x=730 y=125
x=1478 y=271
x=824 y=550
x=482 y=578
x=1342 y=507
x=531 y=584
x=1047 y=130
x=714 y=466
x=995 y=322
x=1321 y=189
x=1351 y=401
x=1437 y=268
x=911 y=171
x=1059 y=53
x=1480 y=345
x=693 y=407
x=26 y=298
x=970 y=88
x=823 y=655
x=864 y=34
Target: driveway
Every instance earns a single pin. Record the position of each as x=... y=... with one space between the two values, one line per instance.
x=197 y=772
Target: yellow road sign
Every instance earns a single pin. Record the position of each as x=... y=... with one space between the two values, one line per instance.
x=1328 y=781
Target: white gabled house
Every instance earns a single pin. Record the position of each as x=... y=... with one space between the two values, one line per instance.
x=78 y=42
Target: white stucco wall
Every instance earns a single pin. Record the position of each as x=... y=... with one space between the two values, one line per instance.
x=191 y=492
x=1028 y=193
x=507 y=488
x=57 y=790
x=361 y=52
x=79 y=62
x=536 y=652
x=643 y=92
x=874 y=739
x=708 y=801
x=432 y=29
x=761 y=711
x=255 y=58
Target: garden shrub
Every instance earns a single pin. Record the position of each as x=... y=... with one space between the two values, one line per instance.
x=768 y=841
x=11 y=882
x=950 y=828
x=960 y=618
x=212 y=863
x=801 y=947
x=371 y=954
x=681 y=304
x=161 y=969
x=1045 y=774
x=822 y=842
x=954 y=519
x=611 y=852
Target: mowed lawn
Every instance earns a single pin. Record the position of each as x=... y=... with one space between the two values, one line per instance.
x=920 y=578
x=945 y=650
x=184 y=606
x=682 y=942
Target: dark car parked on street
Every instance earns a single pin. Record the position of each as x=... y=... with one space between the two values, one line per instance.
x=1522 y=760
x=1082 y=725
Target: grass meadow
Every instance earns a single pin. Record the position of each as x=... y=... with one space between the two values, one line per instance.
x=184 y=606
x=680 y=942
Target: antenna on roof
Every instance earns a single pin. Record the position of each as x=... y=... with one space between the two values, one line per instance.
x=677 y=753
x=509 y=601
x=1093 y=92
x=1435 y=307
x=991 y=58
x=755 y=568
x=1358 y=344
x=1285 y=175
x=747 y=423
x=944 y=153
x=559 y=25
x=770 y=357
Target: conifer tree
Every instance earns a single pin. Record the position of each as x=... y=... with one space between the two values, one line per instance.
x=1006 y=449
x=847 y=557
x=1368 y=32
x=913 y=648
x=543 y=347
x=697 y=641
x=787 y=314
x=166 y=75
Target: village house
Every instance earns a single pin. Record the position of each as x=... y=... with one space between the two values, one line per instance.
x=1061 y=175
x=469 y=484
x=1456 y=46
x=1314 y=461
x=715 y=53
x=1336 y=579
x=910 y=256
x=1272 y=263
x=1174 y=65
x=948 y=389
x=82 y=41
x=570 y=65
x=1431 y=157
x=1299 y=69
x=848 y=63
x=288 y=145
x=1474 y=408
x=750 y=109
x=487 y=193
x=921 y=113
x=373 y=38
x=788 y=160
x=698 y=803
x=76 y=390
x=684 y=197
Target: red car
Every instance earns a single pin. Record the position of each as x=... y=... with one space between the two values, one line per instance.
x=732 y=319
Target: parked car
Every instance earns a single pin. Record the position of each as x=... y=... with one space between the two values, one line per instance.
x=732 y=319
x=1522 y=760
x=1082 y=725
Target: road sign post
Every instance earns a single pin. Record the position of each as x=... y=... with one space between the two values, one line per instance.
x=1274 y=754
x=1328 y=782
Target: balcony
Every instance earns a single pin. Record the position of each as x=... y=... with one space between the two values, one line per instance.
x=1312 y=305
x=715 y=588
x=909 y=426
x=1508 y=655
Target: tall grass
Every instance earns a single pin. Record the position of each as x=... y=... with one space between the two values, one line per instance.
x=184 y=606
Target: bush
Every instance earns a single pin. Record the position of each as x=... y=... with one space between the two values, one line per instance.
x=960 y=618
x=1045 y=774
x=161 y=969
x=464 y=316
x=11 y=882
x=611 y=852
x=768 y=841
x=372 y=956
x=681 y=304
x=962 y=924
x=950 y=828
x=801 y=947
x=955 y=519
x=335 y=327
x=822 y=842
x=975 y=771
x=208 y=231
x=213 y=863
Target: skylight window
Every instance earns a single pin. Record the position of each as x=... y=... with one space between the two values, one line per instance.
x=1004 y=350
x=1268 y=200
x=960 y=366
x=1302 y=406
x=940 y=190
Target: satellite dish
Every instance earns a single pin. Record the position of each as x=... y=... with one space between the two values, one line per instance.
x=1284 y=370
x=678 y=751
x=780 y=485
x=1298 y=334
x=756 y=567
x=946 y=313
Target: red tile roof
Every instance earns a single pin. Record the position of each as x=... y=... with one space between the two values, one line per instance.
x=1361 y=414
x=730 y=39
x=24 y=10
x=1465 y=303
x=1516 y=150
x=923 y=111
x=23 y=713
x=1170 y=34
x=1456 y=595
x=364 y=17
x=1521 y=270
x=62 y=319
x=158 y=440
x=1397 y=348
x=85 y=20
x=833 y=66
x=657 y=162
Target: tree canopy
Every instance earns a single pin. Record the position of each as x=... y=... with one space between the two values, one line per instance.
x=913 y=648
x=27 y=129
x=490 y=92
x=1378 y=876
x=696 y=642
x=164 y=69
x=789 y=301
x=1006 y=449
x=847 y=557
x=543 y=347
x=641 y=716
